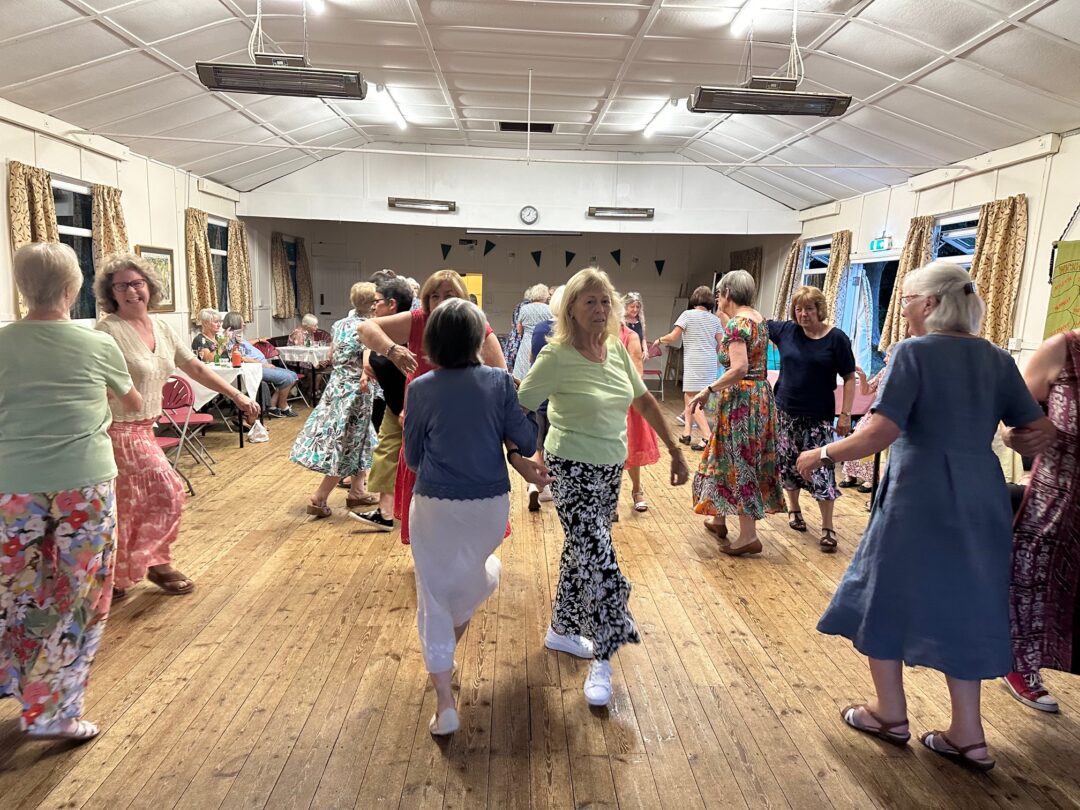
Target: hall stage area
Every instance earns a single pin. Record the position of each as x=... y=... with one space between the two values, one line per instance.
x=292 y=677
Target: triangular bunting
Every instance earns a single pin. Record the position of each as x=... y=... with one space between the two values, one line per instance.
x=445 y=250
x=569 y=257
x=659 y=267
x=536 y=254
x=617 y=256
x=488 y=246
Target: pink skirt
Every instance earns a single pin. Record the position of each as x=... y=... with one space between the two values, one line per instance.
x=149 y=501
x=641 y=448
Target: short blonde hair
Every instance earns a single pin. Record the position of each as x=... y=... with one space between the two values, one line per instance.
x=960 y=308
x=590 y=278
x=117 y=263
x=807 y=296
x=45 y=272
x=362 y=297
x=537 y=292
x=555 y=304
x=435 y=279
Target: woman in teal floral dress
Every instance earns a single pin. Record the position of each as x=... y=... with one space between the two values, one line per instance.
x=737 y=474
x=337 y=440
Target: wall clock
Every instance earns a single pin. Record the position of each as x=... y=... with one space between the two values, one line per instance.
x=529 y=215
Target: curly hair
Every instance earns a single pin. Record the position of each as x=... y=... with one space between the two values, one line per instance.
x=116 y=263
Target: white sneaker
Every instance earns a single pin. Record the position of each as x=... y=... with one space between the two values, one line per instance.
x=598 y=683
x=679 y=420
x=575 y=645
x=545 y=494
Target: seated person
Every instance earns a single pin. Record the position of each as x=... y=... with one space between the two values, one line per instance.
x=205 y=343
x=282 y=379
x=304 y=334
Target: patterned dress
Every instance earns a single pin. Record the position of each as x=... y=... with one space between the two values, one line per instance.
x=1043 y=594
x=737 y=474
x=513 y=339
x=863 y=468
x=338 y=438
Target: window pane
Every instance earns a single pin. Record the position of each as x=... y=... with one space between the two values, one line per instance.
x=221 y=280
x=73 y=209
x=85 y=305
x=219 y=237
x=290 y=252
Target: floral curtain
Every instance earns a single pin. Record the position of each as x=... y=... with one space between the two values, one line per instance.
x=749 y=260
x=31 y=210
x=284 y=300
x=918 y=250
x=306 y=299
x=239 y=271
x=839 y=262
x=202 y=288
x=999 y=258
x=109 y=229
x=791 y=273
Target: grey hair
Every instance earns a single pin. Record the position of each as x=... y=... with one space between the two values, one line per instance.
x=960 y=308
x=738 y=287
x=207 y=315
x=232 y=320
x=537 y=292
x=45 y=272
x=117 y=263
x=454 y=334
x=635 y=298
x=309 y=320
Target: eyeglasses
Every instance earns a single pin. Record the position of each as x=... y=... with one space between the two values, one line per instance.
x=907 y=299
x=380 y=300
x=137 y=284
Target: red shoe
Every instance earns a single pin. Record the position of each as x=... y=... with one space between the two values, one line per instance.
x=1027 y=687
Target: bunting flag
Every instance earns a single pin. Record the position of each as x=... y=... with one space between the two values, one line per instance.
x=617 y=256
x=445 y=250
x=536 y=254
x=659 y=267
x=488 y=246
x=569 y=257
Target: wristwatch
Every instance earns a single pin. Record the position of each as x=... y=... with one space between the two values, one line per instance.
x=826 y=462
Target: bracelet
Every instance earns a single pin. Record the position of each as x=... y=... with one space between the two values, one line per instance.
x=511 y=452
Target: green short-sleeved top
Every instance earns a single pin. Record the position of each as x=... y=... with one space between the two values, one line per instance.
x=587 y=401
x=53 y=409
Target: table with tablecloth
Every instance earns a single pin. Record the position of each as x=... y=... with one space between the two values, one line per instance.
x=249 y=373
x=307 y=358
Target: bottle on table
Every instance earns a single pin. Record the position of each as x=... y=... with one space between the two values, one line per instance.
x=237 y=358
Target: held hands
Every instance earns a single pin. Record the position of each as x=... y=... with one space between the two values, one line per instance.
x=402 y=358
x=843 y=425
x=533 y=472
x=680 y=473
x=808 y=461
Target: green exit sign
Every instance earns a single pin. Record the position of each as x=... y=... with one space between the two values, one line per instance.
x=881 y=243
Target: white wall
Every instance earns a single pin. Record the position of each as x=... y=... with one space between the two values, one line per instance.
x=1050 y=183
x=688 y=198
x=154 y=196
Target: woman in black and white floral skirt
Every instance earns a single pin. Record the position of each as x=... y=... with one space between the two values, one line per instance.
x=589 y=381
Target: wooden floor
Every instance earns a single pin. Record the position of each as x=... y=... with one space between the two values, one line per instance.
x=292 y=677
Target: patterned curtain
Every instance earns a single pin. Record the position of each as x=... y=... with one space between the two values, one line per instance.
x=918 y=250
x=239 y=271
x=999 y=258
x=306 y=303
x=749 y=260
x=284 y=300
x=202 y=288
x=31 y=209
x=791 y=273
x=110 y=232
x=839 y=262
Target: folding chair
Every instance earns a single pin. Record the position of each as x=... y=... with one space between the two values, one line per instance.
x=270 y=352
x=178 y=413
x=166 y=443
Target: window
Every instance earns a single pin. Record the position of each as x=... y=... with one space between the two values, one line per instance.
x=290 y=256
x=816 y=263
x=218 y=231
x=74 y=216
x=954 y=238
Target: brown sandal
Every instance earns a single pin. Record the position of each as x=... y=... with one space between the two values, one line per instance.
x=322 y=511
x=171 y=582
x=884 y=731
x=958 y=754
x=367 y=499
x=828 y=541
x=795 y=521
x=720 y=530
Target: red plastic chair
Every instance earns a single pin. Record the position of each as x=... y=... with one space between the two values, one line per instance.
x=178 y=413
x=167 y=443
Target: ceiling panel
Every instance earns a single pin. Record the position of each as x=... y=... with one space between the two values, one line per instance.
x=23 y=17
x=943 y=25
x=86 y=82
x=1036 y=60
x=32 y=57
x=875 y=48
x=157 y=19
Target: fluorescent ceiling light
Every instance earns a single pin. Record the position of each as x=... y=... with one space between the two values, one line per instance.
x=744 y=19
x=413 y=204
x=391 y=106
x=663 y=115
x=609 y=212
x=315 y=6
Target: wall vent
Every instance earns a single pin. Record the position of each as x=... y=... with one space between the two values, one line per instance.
x=524 y=126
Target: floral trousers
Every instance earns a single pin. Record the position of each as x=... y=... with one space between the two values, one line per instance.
x=55 y=593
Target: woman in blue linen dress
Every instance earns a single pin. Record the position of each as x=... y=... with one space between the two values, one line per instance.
x=337 y=440
x=929 y=582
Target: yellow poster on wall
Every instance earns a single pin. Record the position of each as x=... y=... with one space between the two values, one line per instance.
x=474 y=283
x=1064 y=310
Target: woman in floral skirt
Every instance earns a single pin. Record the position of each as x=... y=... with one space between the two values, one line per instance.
x=737 y=474
x=337 y=440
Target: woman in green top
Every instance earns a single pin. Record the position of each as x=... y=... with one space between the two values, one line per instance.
x=589 y=381
x=57 y=506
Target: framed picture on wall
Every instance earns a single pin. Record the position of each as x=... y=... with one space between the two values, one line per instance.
x=161 y=260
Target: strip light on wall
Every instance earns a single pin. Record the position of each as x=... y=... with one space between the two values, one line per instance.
x=602 y=212
x=413 y=204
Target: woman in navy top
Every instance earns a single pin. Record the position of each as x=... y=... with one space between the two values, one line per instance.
x=812 y=355
x=460 y=414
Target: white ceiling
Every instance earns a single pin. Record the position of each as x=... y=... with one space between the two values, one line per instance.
x=934 y=81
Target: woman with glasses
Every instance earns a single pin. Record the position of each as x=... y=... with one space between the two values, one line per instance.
x=149 y=493
x=929 y=583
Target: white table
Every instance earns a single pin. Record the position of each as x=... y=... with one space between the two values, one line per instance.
x=313 y=355
x=250 y=372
